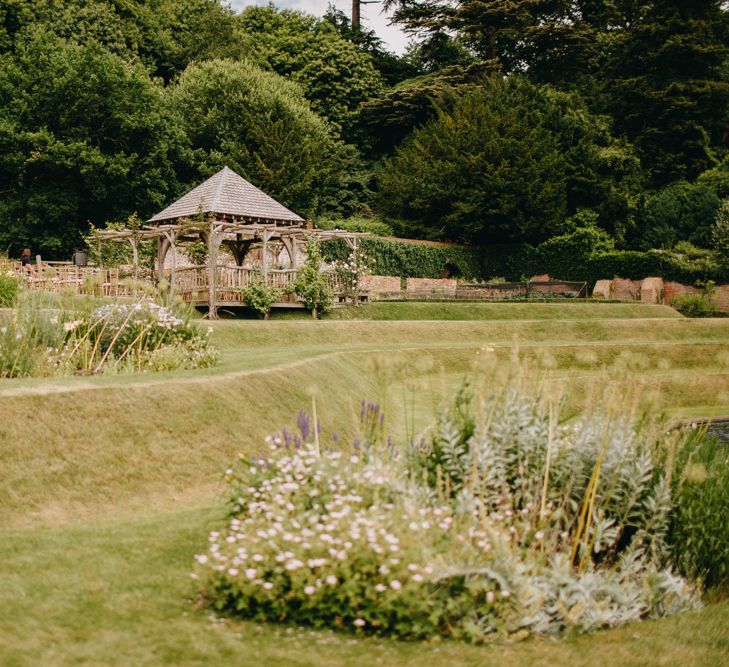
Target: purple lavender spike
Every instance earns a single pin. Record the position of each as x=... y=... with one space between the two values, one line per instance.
x=303 y=424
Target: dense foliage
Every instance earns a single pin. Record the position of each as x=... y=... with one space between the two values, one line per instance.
x=507 y=161
x=84 y=136
x=259 y=125
x=311 y=285
x=501 y=122
x=502 y=521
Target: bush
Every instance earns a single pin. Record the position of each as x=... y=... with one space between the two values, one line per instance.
x=311 y=285
x=41 y=337
x=583 y=254
x=680 y=212
x=358 y=223
x=695 y=305
x=699 y=532
x=8 y=291
x=260 y=297
x=504 y=521
x=720 y=232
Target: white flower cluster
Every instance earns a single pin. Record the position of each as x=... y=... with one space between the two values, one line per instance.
x=308 y=523
x=145 y=313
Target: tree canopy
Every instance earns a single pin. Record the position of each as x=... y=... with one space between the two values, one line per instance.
x=261 y=126
x=507 y=161
x=84 y=137
x=503 y=120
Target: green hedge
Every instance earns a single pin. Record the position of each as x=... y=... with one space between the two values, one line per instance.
x=634 y=264
x=586 y=254
x=414 y=260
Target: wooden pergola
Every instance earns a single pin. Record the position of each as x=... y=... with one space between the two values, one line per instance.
x=224 y=211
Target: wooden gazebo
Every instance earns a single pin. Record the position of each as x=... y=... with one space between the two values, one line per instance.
x=226 y=210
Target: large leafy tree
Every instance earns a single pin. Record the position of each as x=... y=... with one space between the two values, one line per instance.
x=166 y=35
x=335 y=75
x=84 y=137
x=658 y=67
x=508 y=161
x=260 y=125
x=666 y=85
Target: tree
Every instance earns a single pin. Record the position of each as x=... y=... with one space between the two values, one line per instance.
x=335 y=75
x=311 y=285
x=84 y=137
x=679 y=212
x=507 y=161
x=261 y=126
x=666 y=85
x=720 y=231
x=392 y=68
x=166 y=35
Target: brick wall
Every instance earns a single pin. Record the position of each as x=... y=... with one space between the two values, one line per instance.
x=432 y=285
x=652 y=290
x=380 y=283
x=721 y=293
x=626 y=290
x=603 y=289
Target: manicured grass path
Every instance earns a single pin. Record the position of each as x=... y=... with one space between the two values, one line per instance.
x=109 y=485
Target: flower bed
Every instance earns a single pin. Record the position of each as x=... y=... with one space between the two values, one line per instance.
x=39 y=338
x=500 y=523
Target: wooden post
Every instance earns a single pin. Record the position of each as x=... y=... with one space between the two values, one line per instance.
x=135 y=257
x=212 y=265
x=355 y=257
x=171 y=237
x=264 y=267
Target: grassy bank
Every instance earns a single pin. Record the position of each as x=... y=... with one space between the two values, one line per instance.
x=111 y=483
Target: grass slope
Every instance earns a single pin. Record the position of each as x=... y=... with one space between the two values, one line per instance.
x=443 y=310
x=110 y=484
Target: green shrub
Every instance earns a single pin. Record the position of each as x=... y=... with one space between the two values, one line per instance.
x=197 y=252
x=358 y=223
x=699 y=534
x=694 y=305
x=8 y=291
x=260 y=297
x=42 y=337
x=311 y=284
x=583 y=254
x=680 y=211
x=720 y=232
x=502 y=521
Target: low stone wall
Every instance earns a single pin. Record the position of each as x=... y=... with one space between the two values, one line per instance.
x=654 y=290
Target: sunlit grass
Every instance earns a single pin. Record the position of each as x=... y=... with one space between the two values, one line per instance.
x=110 y=483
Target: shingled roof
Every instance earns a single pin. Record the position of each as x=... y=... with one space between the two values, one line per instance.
x=228 y=194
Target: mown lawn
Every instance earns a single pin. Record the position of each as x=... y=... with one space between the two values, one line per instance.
x=110 y=484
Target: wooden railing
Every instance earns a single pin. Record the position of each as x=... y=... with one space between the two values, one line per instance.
x=192 y=283
x=61 y=278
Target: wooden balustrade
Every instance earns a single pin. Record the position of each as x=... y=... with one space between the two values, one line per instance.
x=190 y=283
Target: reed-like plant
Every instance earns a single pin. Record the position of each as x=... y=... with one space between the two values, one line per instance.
x=56 y=335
